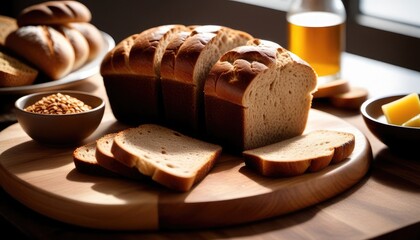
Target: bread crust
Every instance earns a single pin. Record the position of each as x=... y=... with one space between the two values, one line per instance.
x=44 y=47
x=54 y=12
x=79 y=44
x=93 y=37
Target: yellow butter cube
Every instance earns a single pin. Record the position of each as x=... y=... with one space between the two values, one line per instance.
x=414 y=122
x=401 y=110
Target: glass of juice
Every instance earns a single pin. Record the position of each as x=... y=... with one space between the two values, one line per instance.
x=316 y=33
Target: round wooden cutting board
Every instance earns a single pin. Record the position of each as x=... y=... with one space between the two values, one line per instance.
x=44 y=179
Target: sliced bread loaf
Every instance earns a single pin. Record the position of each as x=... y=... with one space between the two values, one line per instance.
x=169 y=157
x=14 y=72
x=185 y=65
x=256 y=95
x=131 y=74
x=106 y=159
x=309 y=152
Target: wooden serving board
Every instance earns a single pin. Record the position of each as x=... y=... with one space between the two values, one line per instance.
x=45 y=179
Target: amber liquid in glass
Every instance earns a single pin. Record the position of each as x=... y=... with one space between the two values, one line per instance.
x=317 y=37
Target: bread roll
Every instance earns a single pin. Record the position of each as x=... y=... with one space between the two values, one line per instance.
x=256 y=95
x=79 y=44
x=131 y=74
x=54 y=12
x=93 y=37
x=7 y=25
x=45 y=48
x=185 y=65
x=14 y=72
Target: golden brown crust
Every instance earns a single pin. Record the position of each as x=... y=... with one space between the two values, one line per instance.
x=234 y=72
x=45 y=48
x=7 y=25
x=54 y=12
x=79 y=44
x=93 y=37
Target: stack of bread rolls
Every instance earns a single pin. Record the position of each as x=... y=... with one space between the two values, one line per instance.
x=56 y=37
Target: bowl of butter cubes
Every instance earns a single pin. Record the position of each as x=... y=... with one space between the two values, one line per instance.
x=394 y=120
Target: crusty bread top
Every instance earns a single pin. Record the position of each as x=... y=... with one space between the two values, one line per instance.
x=169 y=157
x=202 y=49
x=79 y=44
x=141 y=53
x=54 y=12
x=312 y=151
x=93 y=36
x=232 y=76
x=14 y=72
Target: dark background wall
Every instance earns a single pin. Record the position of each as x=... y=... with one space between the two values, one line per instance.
x=121 y=18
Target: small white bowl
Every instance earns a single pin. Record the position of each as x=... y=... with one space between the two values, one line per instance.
x=65 y=129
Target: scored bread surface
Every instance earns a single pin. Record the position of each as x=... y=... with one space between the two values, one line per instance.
x=169 y=157
x=309 y=152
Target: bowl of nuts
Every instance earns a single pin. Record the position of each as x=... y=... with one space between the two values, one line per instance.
x=59 y=118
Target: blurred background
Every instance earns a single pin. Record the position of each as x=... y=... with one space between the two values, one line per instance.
x=385 y=30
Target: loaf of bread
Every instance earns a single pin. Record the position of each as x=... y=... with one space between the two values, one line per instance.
x=310 y=152
x=7 y=25
x=79 y=44
x=44 y=47
x=256 y=95
x=92 y=35
x=167 y=156
x=54 y=13
x=14 y=72
x=131 y=74
x=185 y=65
x=106 y=159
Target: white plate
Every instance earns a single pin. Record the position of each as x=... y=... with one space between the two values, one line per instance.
x=89 y=69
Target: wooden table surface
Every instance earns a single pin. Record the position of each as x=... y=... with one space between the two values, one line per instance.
x=384 y=204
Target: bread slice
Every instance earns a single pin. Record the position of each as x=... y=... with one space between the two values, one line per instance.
x=309 y=152
x=131 y=74
x=185 y=65
x=256 y=95
x=106 y=159
x=14 y=72
x=85 y=161
x=172 y=159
